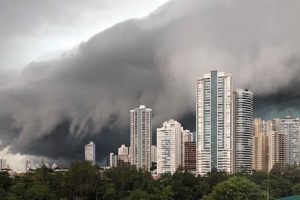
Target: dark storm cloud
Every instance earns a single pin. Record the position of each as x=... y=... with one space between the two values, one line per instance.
x=57 y=106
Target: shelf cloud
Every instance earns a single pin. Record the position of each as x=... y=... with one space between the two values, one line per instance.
x=57 y=105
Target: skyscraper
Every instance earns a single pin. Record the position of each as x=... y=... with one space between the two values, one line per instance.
x=277 y=148
x=90 y=152
x=169 y=146
x=28 y=165
x=190 y=156
x=112 y=160
x=123 y=150
x=153 y=153
x=260 y=152
x=2 y=164
x=141 y=137
x=290 y=127
x=186 y=136
x=123 y=157
x=214 y=122
x=242 y=129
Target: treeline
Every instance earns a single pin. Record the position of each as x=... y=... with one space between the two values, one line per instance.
x=84 y=181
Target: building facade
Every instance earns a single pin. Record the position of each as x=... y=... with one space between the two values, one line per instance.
x=186 y=136
x=169 y=147
x=141 y=137
x=290 y=127
x=3 y=164
x=28 y=165
x=260 y=150
x=214 y=108
x=112 y=160
x=277 y=148
x=190 y=156
x=153 y=154
x=90 y=152
x=242 y=129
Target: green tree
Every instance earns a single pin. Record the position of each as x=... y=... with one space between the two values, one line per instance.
x=237 y=188
x=81 y=180
x=138 y=194
x=39 y=192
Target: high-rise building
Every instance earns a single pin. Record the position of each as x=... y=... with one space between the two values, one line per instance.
x=90 y=152
x=262 y=126
x=242 y=129
x=112 y=160
x=290 y=127
x=153 y=154
x=141 y=137
x=169 y=146
x=214 y=122
x=123 y=150
x=186 y=136
x=190 y=156
x=260 y=152
x=28 y=165
x=277 y=148
x=3 y=164
x=123 y=157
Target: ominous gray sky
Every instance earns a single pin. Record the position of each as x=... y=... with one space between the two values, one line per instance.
x=58 y=104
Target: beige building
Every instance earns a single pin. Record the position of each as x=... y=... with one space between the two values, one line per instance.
x=277 y=148
x=260 y=152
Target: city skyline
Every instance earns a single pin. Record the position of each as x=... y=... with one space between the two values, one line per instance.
x=73 y=73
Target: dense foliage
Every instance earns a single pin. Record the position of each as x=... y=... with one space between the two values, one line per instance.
x=84 y=181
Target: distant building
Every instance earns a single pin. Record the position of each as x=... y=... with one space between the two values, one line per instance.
x=123 y=150
x=242 y=129
x=141 y=137
x=28 y=165
x=277 y=148
x=186 y=136
x=190 y=156
x=3 y=164
x=123 y=157
x=153 y=154
x=214 y=122
x=260 y=152
x=112 y=160
x=169 y=147
x=90 y=152
x=290 y=127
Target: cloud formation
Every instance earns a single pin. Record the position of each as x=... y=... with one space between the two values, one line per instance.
x=57 y=105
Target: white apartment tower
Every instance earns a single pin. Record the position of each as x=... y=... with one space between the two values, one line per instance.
x=2 y=164
x=141 y=137
x=214 y=107
x=169 y=147
x=242 y=129
x=90 y=152
x=290 y=127
x=28 y=165
x=123 y=150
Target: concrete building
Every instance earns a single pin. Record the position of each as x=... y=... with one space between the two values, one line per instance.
x=28 y=165
x=214 y=107
x=90 y=152
x=169 y=147
x=186 y=136
x=290 y=127
x=112 y=160
x=277 y=148
x=242 y=129
x=190 y=156
x=260 y=152
x=3 y=164
x=153 y=154
x=262 y=126
x=141 y=137
x=123 y=157
x=123 y=150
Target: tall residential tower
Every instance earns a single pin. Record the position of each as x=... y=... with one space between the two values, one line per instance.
x=90 y=152
x=169 y=144
x=242 y=129
x=214 y=122
x=141 y=137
